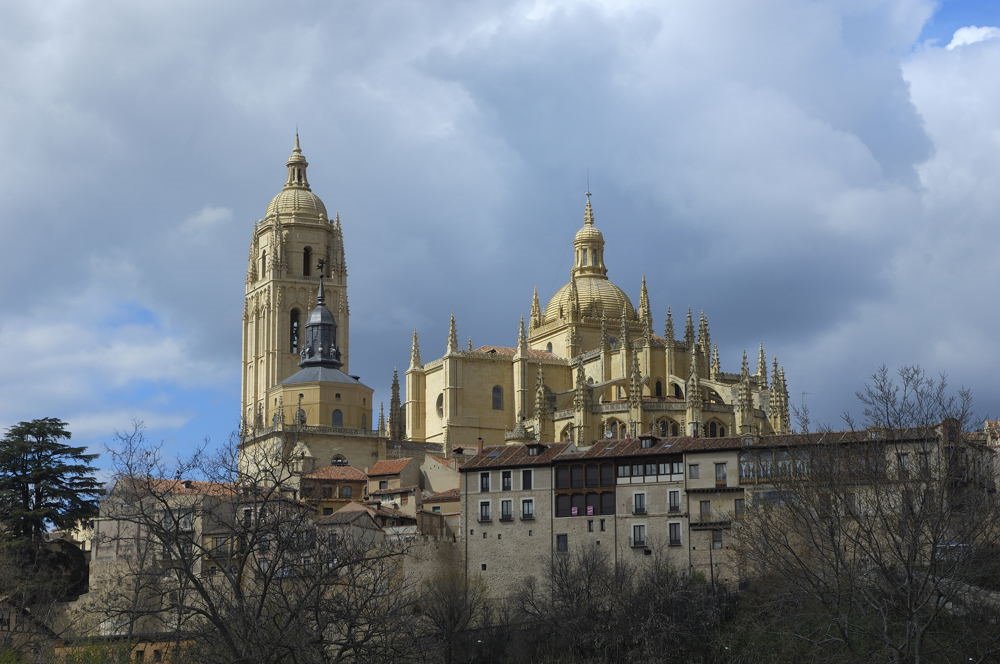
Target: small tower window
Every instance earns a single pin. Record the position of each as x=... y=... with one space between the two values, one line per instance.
x=497 y=397
x=678 y=393
x=307 y=256
x=263 y=263
x=440 y=405
x=338 y=418
x=548 y=347
x=293 y=331
x=659 y=388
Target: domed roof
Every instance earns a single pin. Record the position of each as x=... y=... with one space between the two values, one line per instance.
x=588 y=233
x=596 y=294
x=296 y=201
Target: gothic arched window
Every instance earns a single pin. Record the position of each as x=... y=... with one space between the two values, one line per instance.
x=497 y=397
x=263 y=263
x=307 y=256
x=548 y=347
x=659 y=388
x=678 y=393
x=293 y=331
x=338 y=418
x=440 y=405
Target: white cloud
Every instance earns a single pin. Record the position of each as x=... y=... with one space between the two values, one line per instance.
x=972 y=34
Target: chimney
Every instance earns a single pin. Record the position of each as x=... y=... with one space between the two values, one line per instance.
x=479 y=445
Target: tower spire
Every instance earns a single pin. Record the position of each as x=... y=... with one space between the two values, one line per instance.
x=394 y=407
x=320 y=348
x=522 y=340
x=761 y=368
x=297 y=166
x=689 y=329
x=536 y=310
x=668 y=328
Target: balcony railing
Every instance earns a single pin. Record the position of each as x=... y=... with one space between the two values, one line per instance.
x=639 y=509
x=674 y=509
x=527 y=517
x=506 y=517
x=637 y=543
x=485 y=518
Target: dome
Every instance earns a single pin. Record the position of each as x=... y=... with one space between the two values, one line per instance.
x=296 y=201
x=587 y=234
x=596 y=294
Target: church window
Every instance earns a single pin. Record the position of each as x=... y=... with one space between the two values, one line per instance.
x=345 y=492
x=307 y=255
x=497 y=397
x=338 y=418
x=364 y=421
x=659 y=388
x=678 y=393
x=293 y=331
x=716 y=429
x=584 y=261
x=263 y=263
x=440 y=405
x=548 y=347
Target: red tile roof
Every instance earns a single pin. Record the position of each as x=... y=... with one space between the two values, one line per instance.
x=346 y=473
x=389 y=467
x=444 y=496
x=509 y=456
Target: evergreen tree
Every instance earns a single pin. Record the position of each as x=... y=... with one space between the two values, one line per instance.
x=43 y=481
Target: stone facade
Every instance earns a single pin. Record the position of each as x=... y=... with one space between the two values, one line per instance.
x=588 y=366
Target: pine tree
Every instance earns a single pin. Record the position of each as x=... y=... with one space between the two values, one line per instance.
x=43 y=481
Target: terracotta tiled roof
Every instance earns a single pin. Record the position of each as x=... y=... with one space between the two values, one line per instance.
x=508 y=456
x=444 y=496
x=389 y=466
x=183 y=487
x=336 y=473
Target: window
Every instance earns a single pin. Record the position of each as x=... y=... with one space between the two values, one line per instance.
x=346 y=492
x=602 y=525
x=526 y=480
x=638 y=535
x=327 y=511
x=590 y=525
x=484 y=482
x=576 y=475
x=505 y=481
x=607 y=474
x=904 y=463
x=720 y=474
x=678 y=392
x=563 y=505
x=739 y=507
x=383 y=484
x=497 y=397
x=674 y=530
x=263 y=263
x=338 y=418
x=506 y=513
x=639 y=503
x=693 y=471
x=608 y=502
x=624 y=471
x=705 y=509
x=484 y=511
x=562 y=543
x=527 y=509
x=328 y=492
x=293 y=331
x=659 y=388
x=593 y=473
x=548 y=347
x=440 y=405
x=677 y=468
x=674 y=501
x=716 y=539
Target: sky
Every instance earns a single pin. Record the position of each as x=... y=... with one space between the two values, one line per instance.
x=822 y=177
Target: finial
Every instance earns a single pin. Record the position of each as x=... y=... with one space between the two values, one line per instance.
x=716 y=366
x=297 y=148
x=761 y=367
x=745 y=367
x=536 y=310
x=588 y=212
x=452 y=336
x=321 y=297
x=522 y=339
x=415 y=352
x=668 y=327
x=689 y=329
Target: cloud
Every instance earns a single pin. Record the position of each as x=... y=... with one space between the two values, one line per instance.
x=972 y=34
x=798 y=170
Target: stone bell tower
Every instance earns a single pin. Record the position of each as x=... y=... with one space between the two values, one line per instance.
x=288 y=248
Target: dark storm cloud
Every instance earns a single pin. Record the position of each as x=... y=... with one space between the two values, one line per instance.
x=793 y=169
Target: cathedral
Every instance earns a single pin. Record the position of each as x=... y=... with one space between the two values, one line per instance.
x=587 y=366
x=299 y=401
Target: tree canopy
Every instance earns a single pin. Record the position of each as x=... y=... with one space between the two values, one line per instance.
x=44 y=482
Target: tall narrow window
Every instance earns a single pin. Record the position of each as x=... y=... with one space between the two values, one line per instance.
x=338 y=418
x=293 y=331
x=497 y=397
x=659 y=388
x=307 y=257
x=263 y=263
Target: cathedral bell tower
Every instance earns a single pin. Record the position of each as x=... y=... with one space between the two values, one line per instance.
x=293 y=244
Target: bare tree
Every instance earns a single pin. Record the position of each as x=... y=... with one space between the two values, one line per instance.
x=870 y=536
x=232 y=568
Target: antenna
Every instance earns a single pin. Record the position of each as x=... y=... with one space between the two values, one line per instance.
x=588 y=184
